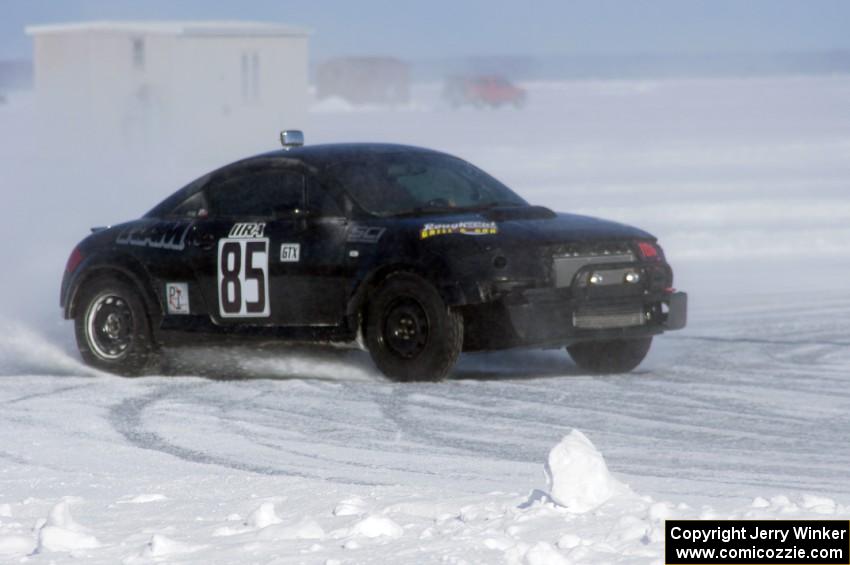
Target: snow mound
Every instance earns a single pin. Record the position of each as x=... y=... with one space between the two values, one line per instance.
x=377 y=526
x=61 y=533
x=227 y=531
x=543 y=553
x=577 y=475
x=569 y=541
x=818 y=504
x=263 y=516
x=305 y=529
x=5 y=511
x=354 y=506
x=499 y=544
x=160 y=546
x=16 y=545
x=144 y=499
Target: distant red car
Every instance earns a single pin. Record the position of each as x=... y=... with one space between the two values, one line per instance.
x=483 y=91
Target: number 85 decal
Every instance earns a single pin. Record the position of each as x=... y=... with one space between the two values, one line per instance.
x=243 y=277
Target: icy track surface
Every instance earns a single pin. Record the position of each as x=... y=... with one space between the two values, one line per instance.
x=306 y=456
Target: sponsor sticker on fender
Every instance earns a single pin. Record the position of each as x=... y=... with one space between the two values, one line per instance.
x=177 y=295
x=465 y=228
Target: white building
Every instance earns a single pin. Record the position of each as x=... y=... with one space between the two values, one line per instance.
x=143 y=83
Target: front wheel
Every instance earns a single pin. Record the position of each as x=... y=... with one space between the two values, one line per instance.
x=112 y=328
x=610 y=356
x=410 y=332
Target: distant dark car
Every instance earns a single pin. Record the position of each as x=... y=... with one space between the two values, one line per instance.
x=412 y=253
x=482 y=91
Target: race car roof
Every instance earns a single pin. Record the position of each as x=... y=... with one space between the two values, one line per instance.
x=314 y=157
x=324 y=154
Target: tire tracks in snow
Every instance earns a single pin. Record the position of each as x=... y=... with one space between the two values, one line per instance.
x=722 y=414
x=127 y=418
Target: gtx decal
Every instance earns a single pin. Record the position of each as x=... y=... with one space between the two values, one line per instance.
x=466 y=228
x=290 y=252
x=162 y=235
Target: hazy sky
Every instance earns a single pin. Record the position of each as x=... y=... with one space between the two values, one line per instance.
x=438 y=28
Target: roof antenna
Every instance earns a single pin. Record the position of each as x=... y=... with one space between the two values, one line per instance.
x=290 y=138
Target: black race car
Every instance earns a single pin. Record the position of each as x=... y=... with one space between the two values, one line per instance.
x=412 y=253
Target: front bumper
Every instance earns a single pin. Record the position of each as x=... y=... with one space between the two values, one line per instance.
x=555 y=319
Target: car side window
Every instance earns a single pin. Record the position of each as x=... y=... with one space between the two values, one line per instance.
x=193 y=207
x=257 y=194
x=320 y=202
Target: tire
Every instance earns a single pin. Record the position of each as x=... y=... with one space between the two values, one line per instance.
x=410 y=332
x=612 y=356
x=112 y=328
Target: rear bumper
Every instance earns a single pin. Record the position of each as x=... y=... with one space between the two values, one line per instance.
x=552 y=319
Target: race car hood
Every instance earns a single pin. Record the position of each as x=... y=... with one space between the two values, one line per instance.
x=524 y=226
x=570 y=228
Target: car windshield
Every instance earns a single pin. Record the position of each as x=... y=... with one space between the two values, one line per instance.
x=408 y=183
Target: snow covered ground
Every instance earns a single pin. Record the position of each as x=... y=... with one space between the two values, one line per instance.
x=306 y=456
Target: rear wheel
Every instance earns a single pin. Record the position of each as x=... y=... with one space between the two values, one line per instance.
x=112 y=328
x=610 y=356
x=410 y=332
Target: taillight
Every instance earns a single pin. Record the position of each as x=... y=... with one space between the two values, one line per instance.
x=648 y=251
x=73 y=261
